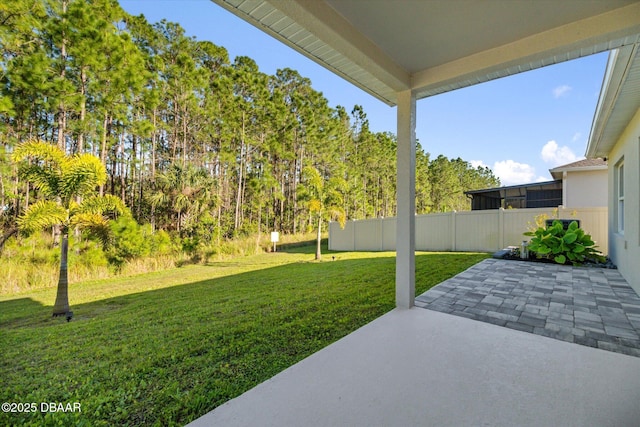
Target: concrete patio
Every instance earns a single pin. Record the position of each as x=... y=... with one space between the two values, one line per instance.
x=423 y=367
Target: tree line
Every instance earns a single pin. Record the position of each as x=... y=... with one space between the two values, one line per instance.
x=196 y=144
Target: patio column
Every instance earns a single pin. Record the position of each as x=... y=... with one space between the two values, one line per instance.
x=406 y=188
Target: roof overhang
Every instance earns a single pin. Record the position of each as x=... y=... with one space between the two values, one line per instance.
x=430 y=47
x=581 y=166
x=558 y=172
x=619 y=100
x=544 y=185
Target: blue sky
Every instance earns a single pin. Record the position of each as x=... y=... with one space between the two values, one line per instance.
x=519 y=126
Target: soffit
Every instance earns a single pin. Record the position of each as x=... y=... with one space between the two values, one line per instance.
x=619 y=100
x=433 y=46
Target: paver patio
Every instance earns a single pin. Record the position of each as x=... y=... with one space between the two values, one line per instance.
x=595 y=307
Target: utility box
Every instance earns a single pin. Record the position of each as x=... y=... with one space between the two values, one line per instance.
x=565 y=222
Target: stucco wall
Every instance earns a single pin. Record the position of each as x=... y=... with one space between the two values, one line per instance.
x=586 y=189
x=624 y=248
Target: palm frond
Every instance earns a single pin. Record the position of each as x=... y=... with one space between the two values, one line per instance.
x=96 y=224
x=39 y=151
x=315 y=205
x=158 y=199
x=101 y=205
x=181 y=202
x=338 y=214
x=88 y=220
x=41 y=215
x=314 y=180
x=47 y=180
x=82 y=175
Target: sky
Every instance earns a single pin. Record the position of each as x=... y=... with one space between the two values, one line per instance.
x=519 y=126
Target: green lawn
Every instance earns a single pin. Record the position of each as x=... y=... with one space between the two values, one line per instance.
x=166 y=348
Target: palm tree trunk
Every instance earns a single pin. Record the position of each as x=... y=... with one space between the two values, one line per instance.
x=61 y=307
x=319 y=240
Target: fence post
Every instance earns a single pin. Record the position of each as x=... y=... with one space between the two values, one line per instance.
x=561 y=211
x=353 y=233
x=501 y=228
x=453 y=231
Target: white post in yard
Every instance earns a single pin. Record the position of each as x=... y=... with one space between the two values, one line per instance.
x=406 y=187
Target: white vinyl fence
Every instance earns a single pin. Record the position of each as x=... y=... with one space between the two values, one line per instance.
x=482 y=231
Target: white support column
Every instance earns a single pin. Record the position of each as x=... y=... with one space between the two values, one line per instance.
x=565 y=192
x=406 y=187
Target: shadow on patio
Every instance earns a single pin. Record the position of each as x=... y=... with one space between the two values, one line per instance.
x=423 y=367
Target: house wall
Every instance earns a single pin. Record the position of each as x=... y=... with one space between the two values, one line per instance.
x=624 y=248
x=483 y=231
x=586 y=189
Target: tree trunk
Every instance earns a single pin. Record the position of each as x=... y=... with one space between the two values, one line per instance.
x=240 y=178
x=319 y=240
x=83 y=109
x=103 y=147
x=62 y=114
x=123 y=169
x=61 y=307
x=6 y=235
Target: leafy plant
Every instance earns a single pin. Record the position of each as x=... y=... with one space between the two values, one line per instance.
x=561 y=245
x=130 y=241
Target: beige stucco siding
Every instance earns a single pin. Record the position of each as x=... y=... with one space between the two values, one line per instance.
x=624 y=247
x=586 y=189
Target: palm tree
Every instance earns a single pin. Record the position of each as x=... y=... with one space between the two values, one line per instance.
x=324 y=199
x=68 y=185
x=186 y=192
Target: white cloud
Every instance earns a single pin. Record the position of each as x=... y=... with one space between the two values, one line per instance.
x=478 y=163
x=561 y=91
x=552 y=153
x=576 y=136
x=514 y=173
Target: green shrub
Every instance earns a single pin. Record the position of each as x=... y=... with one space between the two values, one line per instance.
x=161 y=243
x=129 y=241
x=562 y=246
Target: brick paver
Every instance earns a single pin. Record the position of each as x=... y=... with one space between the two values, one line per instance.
x=595 y=307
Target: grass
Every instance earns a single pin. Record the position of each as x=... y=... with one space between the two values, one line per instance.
x=167 y=347
x=33 y=262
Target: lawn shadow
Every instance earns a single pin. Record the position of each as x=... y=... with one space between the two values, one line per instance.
x=21 y=312
x=287 y=282
x=309 y=247
x=304 y=247
x=302 y=278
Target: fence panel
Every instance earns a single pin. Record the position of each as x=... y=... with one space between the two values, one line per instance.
x=519 y=221
x=594 y=221
x=477 y=230
x=388 y=234
x=368 y=234
x=342 y=239
x=434 y=232
x=484 y=231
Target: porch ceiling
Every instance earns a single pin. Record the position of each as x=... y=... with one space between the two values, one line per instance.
x=435 y=46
